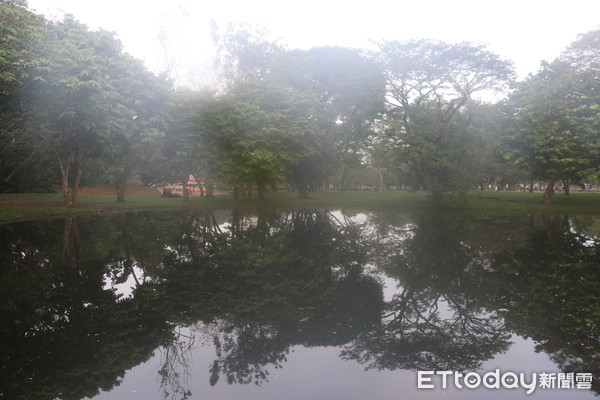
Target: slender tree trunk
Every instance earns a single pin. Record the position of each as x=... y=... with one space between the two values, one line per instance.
x=77 y=176
x=550 y=232
x=184 y=186
x=303 y=191
x=236 y=192
x=262 y=188
x=566 y=184
x=66 y=190
x=121 y=190
x=71 y=245
x=122 y=181
x=235 y=222
x=128 y=263
x=201 y=187
x=380 y=183
x=549 y=191
x=343 y=180
x=70 y=167
x=436 y=193
x=209 y=185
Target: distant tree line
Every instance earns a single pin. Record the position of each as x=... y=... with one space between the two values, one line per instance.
x=75 y=110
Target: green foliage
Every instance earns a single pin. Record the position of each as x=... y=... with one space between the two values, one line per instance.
x=429 y=86
x=21 y=33
x=557 y=133
x=303 y=118
x=70 y=98
x=547 y=141
x=487 y=127
x=267 y=134
x=73 y=95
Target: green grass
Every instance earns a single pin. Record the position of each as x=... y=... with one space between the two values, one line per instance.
x=18 y=207
x=469 y=203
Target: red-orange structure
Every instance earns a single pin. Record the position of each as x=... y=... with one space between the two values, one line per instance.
x=195 y=188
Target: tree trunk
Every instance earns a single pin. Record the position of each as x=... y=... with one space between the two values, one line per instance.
x=236 y=223
x=200 y=187
x=566 y=184
x=71 y=245
x=549 y=191
x=343 y=180
x=550 y=232
x=262 y=188
x=77 y=177
x=303 y=191
x=209 y=185
x=122 y=181
x=121 y=191
x=64 y=168
x=380 y=183
x=185 y=190
x=70 y=172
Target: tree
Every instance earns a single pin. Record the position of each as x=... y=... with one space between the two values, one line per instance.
x=583 y=56
x=429 y=83
x=557 y=134
x=339 y=90
x=244 y=54
x=69 y=99
x=79 y=98
x=255 y=133
x=546 y=141
x=487 y=127
x=190 y=144
x=139 y=109
x=22 y=34
x=348 y=85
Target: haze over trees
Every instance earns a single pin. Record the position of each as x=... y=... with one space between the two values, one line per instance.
x=76 y=110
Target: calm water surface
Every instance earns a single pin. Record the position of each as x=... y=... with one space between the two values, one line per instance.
x=309 y=304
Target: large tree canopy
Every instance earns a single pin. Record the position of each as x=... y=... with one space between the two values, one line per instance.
x=429 y=84
x=72 y=95
x=75 y=109
x=21 y=46
x=557 y=133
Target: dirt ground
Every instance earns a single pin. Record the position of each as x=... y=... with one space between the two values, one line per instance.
x=112 y=190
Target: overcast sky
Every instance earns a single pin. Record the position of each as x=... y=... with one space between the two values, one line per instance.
x=524 y=31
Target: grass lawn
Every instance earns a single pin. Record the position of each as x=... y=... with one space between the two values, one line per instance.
x=17 y=207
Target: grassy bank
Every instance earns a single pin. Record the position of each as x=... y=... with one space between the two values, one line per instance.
x=17 y=207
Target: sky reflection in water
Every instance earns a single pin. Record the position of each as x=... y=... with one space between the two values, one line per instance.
x=293 y=305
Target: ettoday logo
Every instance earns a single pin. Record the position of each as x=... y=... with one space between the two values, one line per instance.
x=507 y=380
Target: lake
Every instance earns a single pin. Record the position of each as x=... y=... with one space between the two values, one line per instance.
x=303 y=304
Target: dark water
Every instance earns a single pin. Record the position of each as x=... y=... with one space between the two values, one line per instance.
x=309 y=304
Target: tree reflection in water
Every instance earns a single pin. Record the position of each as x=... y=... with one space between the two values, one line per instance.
x=438 y=319
x=257 y=284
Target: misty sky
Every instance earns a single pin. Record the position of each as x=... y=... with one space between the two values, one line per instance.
x=524 y=31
